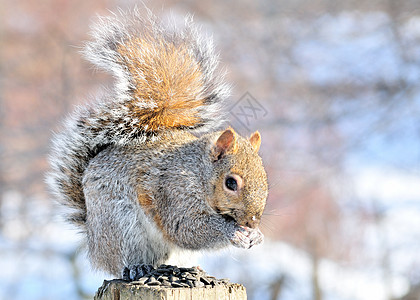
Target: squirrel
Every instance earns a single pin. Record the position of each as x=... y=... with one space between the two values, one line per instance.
x=143 y=169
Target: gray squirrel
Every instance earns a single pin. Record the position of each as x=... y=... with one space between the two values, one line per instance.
x=143 y=170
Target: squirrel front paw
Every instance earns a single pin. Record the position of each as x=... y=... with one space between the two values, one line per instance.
x=245 y=237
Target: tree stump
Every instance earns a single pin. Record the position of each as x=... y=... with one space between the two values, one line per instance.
x=118 y=289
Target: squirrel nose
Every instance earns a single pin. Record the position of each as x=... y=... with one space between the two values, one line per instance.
x=252 y=222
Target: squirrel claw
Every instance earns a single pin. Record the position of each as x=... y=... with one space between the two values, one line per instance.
x=246 y=237
x=256 y=237
x=245 y=230
x=135 y=272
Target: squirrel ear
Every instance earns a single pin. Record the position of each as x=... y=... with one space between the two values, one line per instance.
x=255 y=140
x=225 y=142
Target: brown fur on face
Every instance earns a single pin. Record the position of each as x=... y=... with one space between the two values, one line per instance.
x=176 y=86
x=246 y=205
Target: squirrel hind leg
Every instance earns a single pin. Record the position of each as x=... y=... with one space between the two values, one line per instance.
x=135 y=272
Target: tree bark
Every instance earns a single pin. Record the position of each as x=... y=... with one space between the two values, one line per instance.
x=316 y=289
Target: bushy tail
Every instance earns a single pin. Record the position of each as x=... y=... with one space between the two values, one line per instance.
x=165 y=79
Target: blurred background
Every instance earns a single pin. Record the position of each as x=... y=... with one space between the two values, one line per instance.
x=333 y=87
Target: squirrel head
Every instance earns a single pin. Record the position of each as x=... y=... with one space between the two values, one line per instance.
x=239 y=180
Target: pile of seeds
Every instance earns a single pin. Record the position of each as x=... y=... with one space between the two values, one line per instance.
x=174 y=277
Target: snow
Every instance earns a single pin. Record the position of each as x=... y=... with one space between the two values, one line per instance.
x=394 y=188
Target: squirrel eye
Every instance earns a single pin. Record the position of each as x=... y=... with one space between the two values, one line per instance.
x=231 y=184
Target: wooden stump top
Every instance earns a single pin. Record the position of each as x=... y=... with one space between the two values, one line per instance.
x=118 y=289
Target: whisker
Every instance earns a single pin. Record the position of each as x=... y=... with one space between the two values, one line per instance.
x=266 y=222
x=273 y=184
x=272 y=214
x=275 y=212
x=268 y=227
